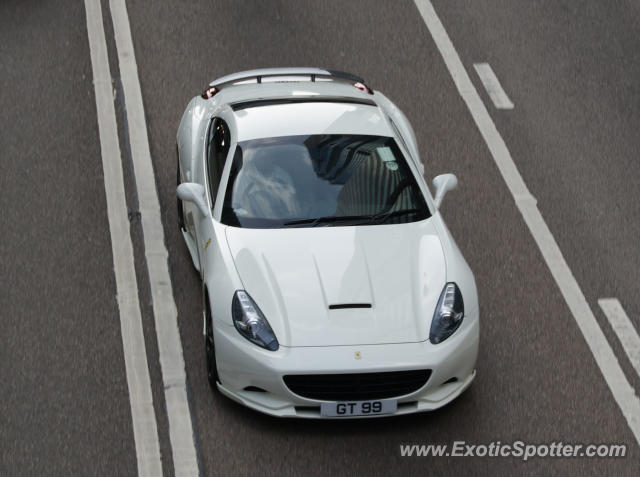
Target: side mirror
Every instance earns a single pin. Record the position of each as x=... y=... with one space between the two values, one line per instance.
x=443 y=184
x=194 y=193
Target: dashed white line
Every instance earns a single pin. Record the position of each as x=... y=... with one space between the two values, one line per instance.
x=624 y=329
x=164 y=308
x=145 y=429
x=492 y=85
x=606 y=360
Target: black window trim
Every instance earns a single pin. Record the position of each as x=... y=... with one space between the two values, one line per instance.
x=209 y=139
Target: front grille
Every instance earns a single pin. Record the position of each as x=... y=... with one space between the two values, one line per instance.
x=357 y=387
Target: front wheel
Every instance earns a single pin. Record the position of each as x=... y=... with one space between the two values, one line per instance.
x=212 y=367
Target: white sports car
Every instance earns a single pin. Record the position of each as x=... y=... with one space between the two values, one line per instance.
x=331 y=285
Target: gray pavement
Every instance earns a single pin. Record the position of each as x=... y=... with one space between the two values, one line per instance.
x=64 y=404
x=572 y=72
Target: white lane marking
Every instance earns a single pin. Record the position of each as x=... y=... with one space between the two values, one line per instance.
x=492 y=85
x=622 y=391
x=145 y=430
x=164 y=308
x=624 y=329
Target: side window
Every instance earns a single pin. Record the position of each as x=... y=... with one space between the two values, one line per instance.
x=218 y=147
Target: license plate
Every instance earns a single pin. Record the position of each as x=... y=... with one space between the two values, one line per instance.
x=358 y=408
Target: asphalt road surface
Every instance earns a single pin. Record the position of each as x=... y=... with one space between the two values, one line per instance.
x=572 y=71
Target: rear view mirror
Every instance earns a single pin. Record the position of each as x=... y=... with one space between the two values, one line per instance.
x=443 y=184
x=194 y=193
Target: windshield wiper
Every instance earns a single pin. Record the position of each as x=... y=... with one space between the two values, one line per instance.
x=326 y=220
x=383 y=216
x=380 y=217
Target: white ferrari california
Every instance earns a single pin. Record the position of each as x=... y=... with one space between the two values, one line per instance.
x=331 y=286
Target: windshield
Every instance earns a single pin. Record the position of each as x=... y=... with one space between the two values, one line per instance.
x=321 y=180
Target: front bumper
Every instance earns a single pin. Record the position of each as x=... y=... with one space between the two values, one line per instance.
x=242 y=367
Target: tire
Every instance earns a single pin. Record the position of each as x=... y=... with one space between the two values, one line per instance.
x=210 y=349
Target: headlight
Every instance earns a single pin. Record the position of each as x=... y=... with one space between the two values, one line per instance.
x=251 y=323
x=448 y=315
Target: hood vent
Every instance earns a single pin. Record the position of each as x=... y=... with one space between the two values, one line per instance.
x=349 y=305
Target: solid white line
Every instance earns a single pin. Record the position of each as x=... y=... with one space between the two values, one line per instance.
x=145 y=430
x=622 y=391
x=624 y=329
x=164 y=308
x=492 y=85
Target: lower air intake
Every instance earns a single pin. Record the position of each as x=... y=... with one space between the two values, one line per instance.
x=357 y=387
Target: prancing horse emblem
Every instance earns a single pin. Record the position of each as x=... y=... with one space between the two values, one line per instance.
x=358 y=355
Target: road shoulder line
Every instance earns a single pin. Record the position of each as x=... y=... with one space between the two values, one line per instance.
x=145 y=429
x=170 y=352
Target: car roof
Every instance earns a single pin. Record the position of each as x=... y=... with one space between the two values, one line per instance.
x=288 y=108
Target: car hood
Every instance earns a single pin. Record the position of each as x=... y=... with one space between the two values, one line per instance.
x=297 y=276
